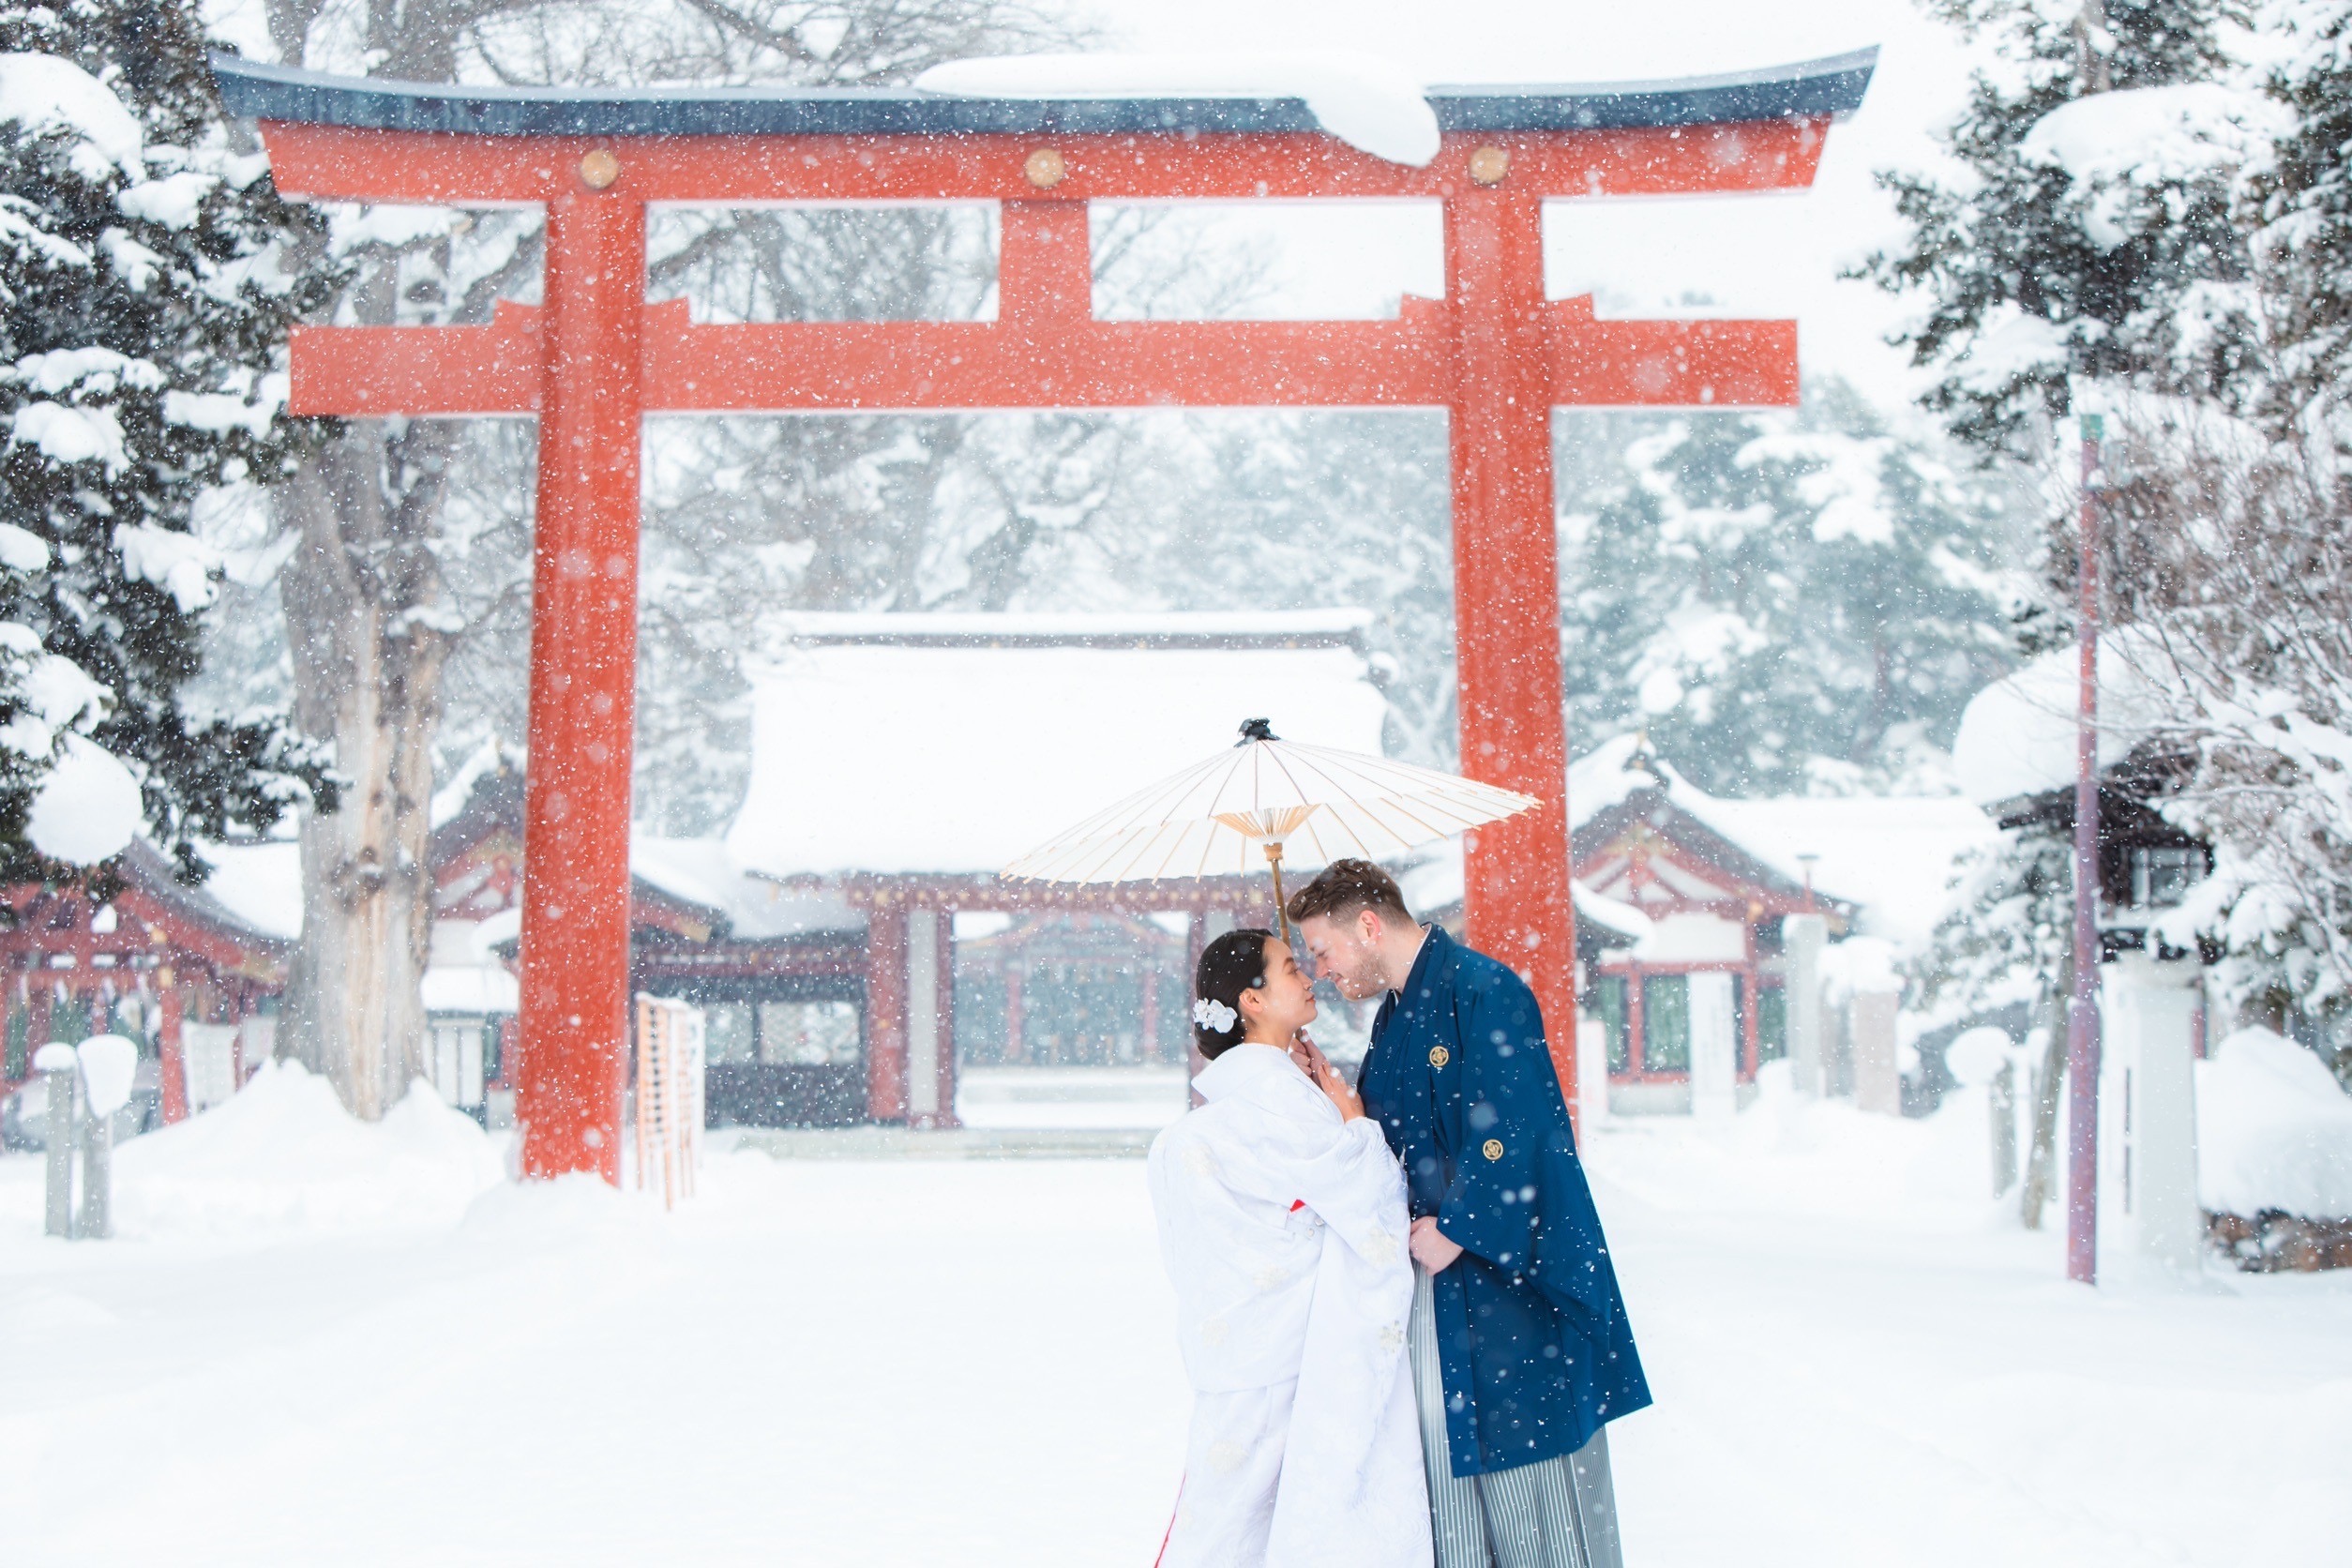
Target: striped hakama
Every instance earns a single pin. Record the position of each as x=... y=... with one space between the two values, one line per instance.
x=1558 y=1512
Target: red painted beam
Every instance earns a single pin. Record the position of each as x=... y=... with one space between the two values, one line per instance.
x=334 y=162
x=377 y=372
x=1054 y=362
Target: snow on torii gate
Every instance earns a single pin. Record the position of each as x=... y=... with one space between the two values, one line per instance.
x=1494 y=353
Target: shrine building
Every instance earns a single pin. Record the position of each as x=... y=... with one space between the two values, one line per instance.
x=851 y=943
x=847 y=937
x=1686 y=895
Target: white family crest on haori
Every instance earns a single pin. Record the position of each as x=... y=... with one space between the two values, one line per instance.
x=1283 y=1228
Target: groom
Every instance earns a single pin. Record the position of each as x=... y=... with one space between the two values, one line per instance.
x=1519 y=1346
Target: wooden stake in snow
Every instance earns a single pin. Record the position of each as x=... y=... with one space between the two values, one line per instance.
x=670 y=1056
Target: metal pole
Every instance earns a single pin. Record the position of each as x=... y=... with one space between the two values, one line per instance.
x=2082 y=1021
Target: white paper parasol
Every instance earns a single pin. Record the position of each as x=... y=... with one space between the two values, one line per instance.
x=1241 y=809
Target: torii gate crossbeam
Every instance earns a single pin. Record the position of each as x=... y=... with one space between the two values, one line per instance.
x=1495 y=353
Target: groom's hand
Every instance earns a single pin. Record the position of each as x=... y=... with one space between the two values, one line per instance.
x=1429 y=1247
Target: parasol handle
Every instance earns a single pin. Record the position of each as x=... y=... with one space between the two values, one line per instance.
x=1273 y=859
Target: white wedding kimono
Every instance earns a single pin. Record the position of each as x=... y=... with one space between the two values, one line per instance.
x=1283 y=1228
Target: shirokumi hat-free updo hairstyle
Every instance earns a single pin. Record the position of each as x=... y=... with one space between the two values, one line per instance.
x=1234 y=963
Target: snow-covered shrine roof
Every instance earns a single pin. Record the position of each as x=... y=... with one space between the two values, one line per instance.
x=2017 y=736
x=1890 y=857
x=950 y=745
x=256 y=883
x=252 y=892
x=705 y=872
x=251 y=90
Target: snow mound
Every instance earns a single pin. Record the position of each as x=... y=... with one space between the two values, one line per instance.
x=42 y=93
x=1790 y=1154
x=1365 y=102
x=87 y=808
x=2274 y=1131
x=578 y=1207
x=180 y=564
x=285 y=1155
x=66 y=435
x=2017 y=736
x=22 y=550
x=2138 y=138
x=109 y=1063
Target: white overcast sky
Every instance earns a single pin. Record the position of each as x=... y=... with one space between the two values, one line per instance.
x=1776 y=255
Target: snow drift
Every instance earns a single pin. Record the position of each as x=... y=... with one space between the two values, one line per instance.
x=283 y=1155
x=2274 y=1131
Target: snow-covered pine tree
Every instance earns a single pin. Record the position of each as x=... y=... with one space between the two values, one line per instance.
x=2305 y=196
x=2096 y=243
x=1295 y=510
x=141 y=307
x=2009 y=939
x=1785 y=603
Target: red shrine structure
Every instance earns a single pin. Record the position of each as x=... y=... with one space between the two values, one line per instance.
x=595 y=358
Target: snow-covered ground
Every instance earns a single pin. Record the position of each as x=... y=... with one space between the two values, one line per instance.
x=376 y=1351
x=1059 y=1097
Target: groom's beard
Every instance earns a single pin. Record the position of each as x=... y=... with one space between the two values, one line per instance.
x=1360 y=979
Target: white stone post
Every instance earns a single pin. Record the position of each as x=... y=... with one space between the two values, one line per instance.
x=1802 y=937
x=1715 y=1045
x=2147 y=1187
x=924 y=1044
x=109 y=1064
x=1592 y=1073
x=1870 y=1026
x=61 y=1073
x=2001 y=1110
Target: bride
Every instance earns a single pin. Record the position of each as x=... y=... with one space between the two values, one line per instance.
x=1282 y=1221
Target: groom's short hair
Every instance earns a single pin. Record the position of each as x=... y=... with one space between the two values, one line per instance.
x=1345 y=886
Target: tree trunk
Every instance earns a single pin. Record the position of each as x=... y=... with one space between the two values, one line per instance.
x=366 y=678
x=2042 y=1161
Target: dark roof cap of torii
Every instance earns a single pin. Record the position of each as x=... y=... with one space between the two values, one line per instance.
x=251 y=90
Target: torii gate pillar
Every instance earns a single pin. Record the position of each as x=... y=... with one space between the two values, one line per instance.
x=583 y=691
x=1506 y=597
x=1496 y=355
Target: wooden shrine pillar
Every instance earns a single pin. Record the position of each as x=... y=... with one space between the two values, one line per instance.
x=930 y=1063
x=170 y=1048
x=886 y=1012
x=1506 y=593
x=583 y=679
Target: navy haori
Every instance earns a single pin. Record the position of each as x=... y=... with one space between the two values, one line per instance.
x=1536 y=1349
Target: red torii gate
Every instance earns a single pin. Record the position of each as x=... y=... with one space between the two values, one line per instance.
x=1495 y=353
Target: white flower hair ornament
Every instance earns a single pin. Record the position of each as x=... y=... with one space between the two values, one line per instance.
x=1213 y=1016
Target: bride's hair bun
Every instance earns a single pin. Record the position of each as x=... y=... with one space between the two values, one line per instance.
x=1234 y=963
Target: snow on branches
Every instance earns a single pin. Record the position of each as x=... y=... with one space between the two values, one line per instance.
x=143 y=306
x=1785 y=602
x=2090 y=227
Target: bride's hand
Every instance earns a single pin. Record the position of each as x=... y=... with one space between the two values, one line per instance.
x=1317 y=1066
